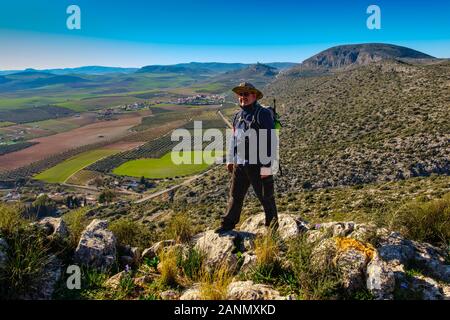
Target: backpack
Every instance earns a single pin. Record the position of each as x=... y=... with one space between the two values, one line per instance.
x=255 y=120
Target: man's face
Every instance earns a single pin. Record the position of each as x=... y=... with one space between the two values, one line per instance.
x=246 y=98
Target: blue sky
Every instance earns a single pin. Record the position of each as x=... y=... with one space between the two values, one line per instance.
x=131 y=33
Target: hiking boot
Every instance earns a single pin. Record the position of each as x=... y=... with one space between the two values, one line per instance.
x=223 y=229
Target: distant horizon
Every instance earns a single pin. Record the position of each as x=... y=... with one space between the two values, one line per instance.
x=215 y=61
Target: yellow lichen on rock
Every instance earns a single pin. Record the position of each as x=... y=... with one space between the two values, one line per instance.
x=344 y=244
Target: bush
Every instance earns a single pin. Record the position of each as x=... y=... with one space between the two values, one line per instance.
x=168 y=267
x=27 y=258
x=424 y=221
x=214 y=284
x=129 y=232
x=76 y=221
x=180 y=228
x=192 y=264
x=11 y=218
x=314 y=282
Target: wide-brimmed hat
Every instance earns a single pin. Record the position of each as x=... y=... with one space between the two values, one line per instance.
x=248 y=87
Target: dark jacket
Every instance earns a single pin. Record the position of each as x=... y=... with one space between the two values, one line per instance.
x=244 y=120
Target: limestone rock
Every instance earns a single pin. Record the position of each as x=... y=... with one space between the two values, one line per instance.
x=170 y=295
x=156 y=249
x=247 y=290
x=114 y=281
x=380 y=279
x=192 y=293
x=54 y=226
x=218 y=248
x=352 y=264
x=97 y=246
x=289 y=225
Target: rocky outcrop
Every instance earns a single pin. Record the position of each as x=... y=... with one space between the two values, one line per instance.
x=218 y=248
x=55 y=227
x=289 y=225
x=382 y=270
x=156 y=249
x=97 y=246
x=192 y=293
x=247 y=290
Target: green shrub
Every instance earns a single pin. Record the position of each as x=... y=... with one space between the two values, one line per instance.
x=133 y=233
x=76 y=221
x=424 y=221
x=314 y=282
x=180 y=228
x=27 y=258
x=191 y=264
x=11 y=218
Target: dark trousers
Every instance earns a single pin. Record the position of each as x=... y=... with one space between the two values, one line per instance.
x=243 y=176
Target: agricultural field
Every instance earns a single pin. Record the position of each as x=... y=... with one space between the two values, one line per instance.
x=7 y=148
x=6 y=123
x=164 y=167
x=97 y=132
x=53 y=125
x=64 y=170
x=83 y=177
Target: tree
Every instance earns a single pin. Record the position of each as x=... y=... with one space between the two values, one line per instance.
x=106 y=196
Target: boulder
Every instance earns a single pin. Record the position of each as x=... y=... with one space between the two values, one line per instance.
x=217 y=248
x=192 y=293
x=428 y=287
x=170 y=295
x=97 y=246
x=156 y=249
x=247 y=290
x=114 y=281
x=380 y=279
x=395 y=249
x=289 y=225
x=431 y=260
x=54 y=227
x=336 y=229
x=352 y=265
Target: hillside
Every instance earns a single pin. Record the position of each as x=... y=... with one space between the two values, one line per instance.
x=346 y=56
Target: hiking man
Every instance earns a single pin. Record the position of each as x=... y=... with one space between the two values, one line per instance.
x=245 y=172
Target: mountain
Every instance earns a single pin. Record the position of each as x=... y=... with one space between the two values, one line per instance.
x=197 y=69
x=208 y=67
x=345 y=56
x=258 y=74
x=91 y=70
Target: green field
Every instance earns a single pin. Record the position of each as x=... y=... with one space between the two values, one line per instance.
x=62 y=171
x=164 y=167
x=6 y=123
x=53 y=125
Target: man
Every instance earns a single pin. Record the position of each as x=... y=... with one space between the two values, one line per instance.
x=243 y=171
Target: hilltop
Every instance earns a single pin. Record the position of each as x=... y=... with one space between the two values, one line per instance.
x=345 y=56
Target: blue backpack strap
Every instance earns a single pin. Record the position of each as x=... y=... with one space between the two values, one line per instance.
x=256 y=115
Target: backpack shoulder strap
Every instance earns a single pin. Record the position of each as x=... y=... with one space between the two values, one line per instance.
x=236 y=115
x=256 y=115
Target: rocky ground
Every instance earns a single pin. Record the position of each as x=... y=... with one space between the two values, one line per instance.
x=366 y=262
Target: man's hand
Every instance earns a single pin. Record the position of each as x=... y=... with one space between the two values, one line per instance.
x=230 y=167
x=265 y=172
